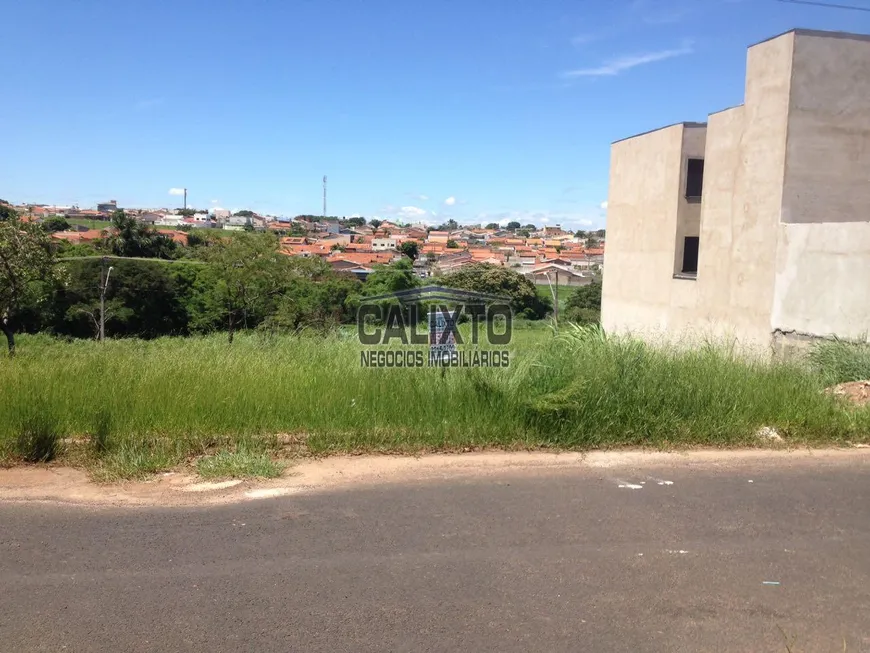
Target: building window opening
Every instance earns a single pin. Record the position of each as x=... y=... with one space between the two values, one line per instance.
x=694 y=180
x=690 y=255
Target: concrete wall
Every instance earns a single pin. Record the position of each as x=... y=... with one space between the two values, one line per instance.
x=822 y=284
x=645 y=173
x=719 y=274
x=823 y=280
x=827 y=175
x=741 y=208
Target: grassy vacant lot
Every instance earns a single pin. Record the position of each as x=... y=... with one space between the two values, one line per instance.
x=130 y=407
x=546 y=292
x=90 y=224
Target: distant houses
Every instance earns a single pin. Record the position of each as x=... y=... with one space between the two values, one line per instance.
x=357 y=248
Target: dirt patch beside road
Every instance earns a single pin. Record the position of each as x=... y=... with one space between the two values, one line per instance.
x=65 y=485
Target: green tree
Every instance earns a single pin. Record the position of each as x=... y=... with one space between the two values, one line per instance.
x=246 y=275
x=499 y=280
x=513 y=225
x=452 y=244
x=374 y=224
x=355 y=222
x=583 y=306
x=244 y=213
x=410 y=249
x=492 y=225
x=66 y=249
x=7 y=212
x=450 y=225
x=391 y=278
x=320 y=301
x=530 y=227
x=144 y=299
x=26 y=271
x=136 y=239
x=588 y=296
x=55 y=223
x=186 y=212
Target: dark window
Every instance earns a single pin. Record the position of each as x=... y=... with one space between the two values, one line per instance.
x=690 y=255
x=694 y=179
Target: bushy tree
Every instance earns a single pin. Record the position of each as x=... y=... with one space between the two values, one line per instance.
x=583 y=306
x=513 y=225
x=55 y=223
x=26 y=271
x=136 y=239
x=319 y=304
x=410 y=249
x=244 y=280
x=450 y=225
x=492 y=225
x=499 y=280
x=7 y=212
x=144 y=299
x=391 y=278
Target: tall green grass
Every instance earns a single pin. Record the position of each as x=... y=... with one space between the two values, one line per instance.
x=839 y=361
x=149 y=405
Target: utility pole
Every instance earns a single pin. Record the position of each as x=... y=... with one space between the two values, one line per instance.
x=555 y=293
x=185 y=199
x=104 y=284
x=324 y=198
x=556 y=307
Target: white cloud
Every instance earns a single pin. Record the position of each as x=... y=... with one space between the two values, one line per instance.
x=412 y=212
x=422 y=198
x=215 y=201
x=176 y=191
x=616 y=66
x=604 y=205
x=450 y=201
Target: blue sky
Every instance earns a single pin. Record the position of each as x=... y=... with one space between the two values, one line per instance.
x=480 y=110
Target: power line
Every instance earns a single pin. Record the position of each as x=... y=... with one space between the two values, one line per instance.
x=829 y=5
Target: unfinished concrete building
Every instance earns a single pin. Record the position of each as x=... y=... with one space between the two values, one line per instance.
x=754 y=226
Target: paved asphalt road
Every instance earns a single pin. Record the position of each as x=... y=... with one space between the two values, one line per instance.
x=555 y=561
